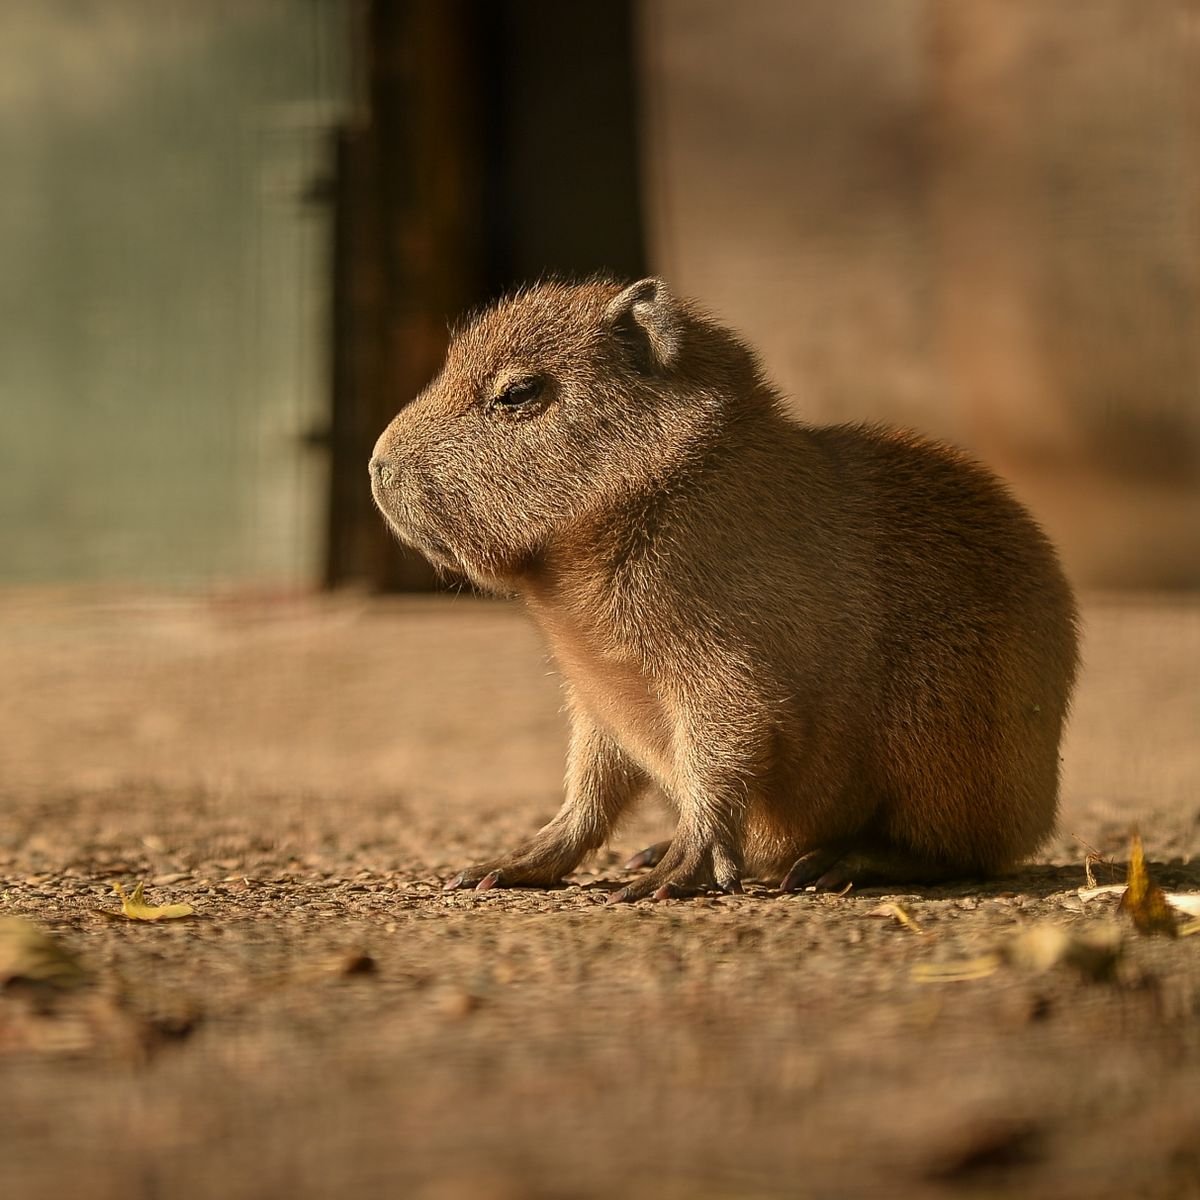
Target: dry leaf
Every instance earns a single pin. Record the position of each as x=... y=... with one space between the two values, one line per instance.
x=1087 y=870
x=954 y=972
x=891 y=909
x=1093 y=952
x=135 y=908
x=1143 y=899
x=1190 y=928
x=28 y=954
x=1093 y=860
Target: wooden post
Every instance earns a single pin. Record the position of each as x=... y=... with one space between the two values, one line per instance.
x=498 y=143
x=406 y=259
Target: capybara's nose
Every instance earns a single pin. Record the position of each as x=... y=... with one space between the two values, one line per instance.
x=382 y=471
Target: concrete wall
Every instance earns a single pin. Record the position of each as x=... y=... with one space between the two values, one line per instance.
x=162 y=291
x=980 y=219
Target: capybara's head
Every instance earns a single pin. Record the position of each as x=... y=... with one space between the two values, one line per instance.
x=557 y=406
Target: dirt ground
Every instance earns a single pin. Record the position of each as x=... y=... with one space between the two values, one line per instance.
x=304 y=771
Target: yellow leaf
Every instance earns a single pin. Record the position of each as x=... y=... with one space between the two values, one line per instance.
x=896 y=913
x=1093 y=951
x=956 y=972
x=28 y=954
x=1143 y=899
x=136 y=909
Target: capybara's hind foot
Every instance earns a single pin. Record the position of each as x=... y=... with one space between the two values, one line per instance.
x=811 y=867
x=833 y=868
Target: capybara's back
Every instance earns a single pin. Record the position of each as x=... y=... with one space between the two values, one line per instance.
x=975 y=649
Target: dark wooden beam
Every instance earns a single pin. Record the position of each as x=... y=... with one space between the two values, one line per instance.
x=499 y=144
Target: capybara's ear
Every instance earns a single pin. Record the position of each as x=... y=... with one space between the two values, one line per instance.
x=647 y=318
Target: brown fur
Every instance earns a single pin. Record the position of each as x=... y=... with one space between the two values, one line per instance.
x=846 y=646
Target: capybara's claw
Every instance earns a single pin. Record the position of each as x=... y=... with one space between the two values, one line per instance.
x=810 y=867
x=677 y=881
x=522 y=869
x=833 y=869
x=675 y=891
x=479 y=879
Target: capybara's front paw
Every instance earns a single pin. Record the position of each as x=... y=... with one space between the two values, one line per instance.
x=540 y=864
x=501 y=873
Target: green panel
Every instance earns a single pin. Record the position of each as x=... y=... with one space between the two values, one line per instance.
x=162 y=287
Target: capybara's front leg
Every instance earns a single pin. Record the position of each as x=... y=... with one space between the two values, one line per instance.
x=602 y=781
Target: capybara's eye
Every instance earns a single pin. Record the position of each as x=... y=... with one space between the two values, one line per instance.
x=519 y=392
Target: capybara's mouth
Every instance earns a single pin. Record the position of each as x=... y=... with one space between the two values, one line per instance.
x=400 y=521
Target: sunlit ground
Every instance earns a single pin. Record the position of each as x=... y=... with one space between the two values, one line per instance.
x=302 y=772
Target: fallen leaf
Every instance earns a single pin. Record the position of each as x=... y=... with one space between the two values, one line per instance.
x=954 y=972
x=1143 y=899
x=135 y=908
x=28 y=954
x=893 y=910
x=1092 y=952
x=1190 y=928
x=1183 y=902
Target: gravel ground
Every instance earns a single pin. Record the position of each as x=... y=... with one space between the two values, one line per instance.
x=303 y=771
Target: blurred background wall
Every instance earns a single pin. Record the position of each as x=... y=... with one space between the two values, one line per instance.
x=977 y=217
x=233 y=234
x=162 y=288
